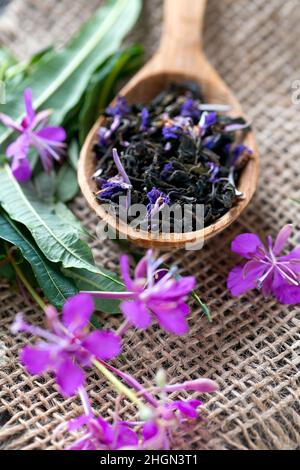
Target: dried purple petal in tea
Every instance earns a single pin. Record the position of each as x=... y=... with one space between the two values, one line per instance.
x=187 y=150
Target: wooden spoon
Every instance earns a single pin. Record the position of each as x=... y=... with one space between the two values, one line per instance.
x=180 y=57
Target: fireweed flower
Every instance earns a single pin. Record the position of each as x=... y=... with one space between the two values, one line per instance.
x=165 y=415
x=169 y=414
x=265 y=269
x=48 y=141
x=67 y=347
x=158 y=420
x=151 y=294
x=99 y=434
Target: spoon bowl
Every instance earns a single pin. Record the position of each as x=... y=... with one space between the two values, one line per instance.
x=179 y=59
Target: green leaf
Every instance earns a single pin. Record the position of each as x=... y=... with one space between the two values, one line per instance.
x=55 y=286
x=45 y=184
x=66 y=183
x=62 y=211
x=58 y=239
x=25 y=68
x=7 y=60
x=60 y=80
x=73 y=154
x=93 y=282
x=101 y=87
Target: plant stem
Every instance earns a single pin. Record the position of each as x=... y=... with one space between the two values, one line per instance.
x=122 y=389
x=24 y=281
x=135 y=384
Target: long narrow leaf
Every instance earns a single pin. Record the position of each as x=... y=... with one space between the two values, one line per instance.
x=58 y=240
x=56 y=287
x=61 y=79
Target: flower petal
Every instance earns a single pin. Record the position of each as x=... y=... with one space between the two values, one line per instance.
x=136 y=313
x=8 y=122
x=246 y=245
x=19 y=148
x=172 y=321
x=36 y=360
x=69 y=377
x=294 y=259
x=21 y=169
x=187 y=408
x=126 y=437
x=282 y=238
x=57 y=134
x=77 y=311
x=173 y=290
x=149 y=430
x=141 y=268
x=103 y=344
x=201 y=385
x=124 y=267
x=28 y=106
x=285 y=293
x=267 y=285
x=238 y=282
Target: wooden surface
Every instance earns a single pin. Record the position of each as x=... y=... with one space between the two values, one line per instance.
x=180 y=57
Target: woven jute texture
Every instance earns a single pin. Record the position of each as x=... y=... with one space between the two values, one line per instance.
x=252 y=346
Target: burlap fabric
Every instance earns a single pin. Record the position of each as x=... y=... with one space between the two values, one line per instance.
x=252 y=346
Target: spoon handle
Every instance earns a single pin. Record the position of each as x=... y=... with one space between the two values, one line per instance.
x=182 y=31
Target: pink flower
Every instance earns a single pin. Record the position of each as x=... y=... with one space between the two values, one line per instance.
x=265 y=269
x=68 y=347
x=157 y=432
x=169 y=415
x=48 y=141
x=159 y=418
x=98 y=433
x=153 y=293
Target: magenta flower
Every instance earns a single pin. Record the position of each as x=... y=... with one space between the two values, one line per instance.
x=169 y=415
x=157 y=432
x=67 y=347
x=265 y=269
x=48 y=141
x=158 y=418
x=153 y=293
x=99 y=434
